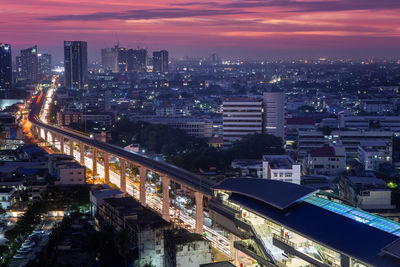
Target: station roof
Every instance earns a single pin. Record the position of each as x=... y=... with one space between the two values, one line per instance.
x=266 y=190
x=353 y=232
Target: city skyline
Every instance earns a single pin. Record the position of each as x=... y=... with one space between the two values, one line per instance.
x=238 y=29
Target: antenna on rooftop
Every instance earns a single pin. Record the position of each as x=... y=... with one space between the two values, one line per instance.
x=117 y=39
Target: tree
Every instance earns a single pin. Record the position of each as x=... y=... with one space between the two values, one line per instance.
x=149 y=264
x=254 y=146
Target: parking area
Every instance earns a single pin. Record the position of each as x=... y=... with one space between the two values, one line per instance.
x=34 y=243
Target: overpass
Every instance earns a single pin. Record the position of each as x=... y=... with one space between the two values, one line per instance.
x=200 y=186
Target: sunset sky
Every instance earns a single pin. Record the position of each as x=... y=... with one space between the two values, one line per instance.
x=236 y=28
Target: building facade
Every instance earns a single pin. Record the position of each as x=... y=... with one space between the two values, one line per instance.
x=109 y=59
x=160 y=61
x=76 y=65
x=281 y=168
x=241 y=116
x=5 y=67
x=372 y=154
x=28 y=64
x=44 y=65
x=328 y=160
x=274 y=114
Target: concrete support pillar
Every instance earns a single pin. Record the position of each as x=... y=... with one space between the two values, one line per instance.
x=232 y=239
x=142 y=187
x=94 y=161
x=82 y=150
x=165 y=206
x=62 y=144
x=199 y=212
x=122 y=186
x=71 y=147
x=53 y=139
x=45 y=135
x=106 y=157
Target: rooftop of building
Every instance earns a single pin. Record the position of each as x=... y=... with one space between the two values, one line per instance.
x=218 y=264
x=182 y=236
x=6 y=190
x=324 y=151
x=243 y=99
x=364 y=183
x=300 y=121
x=128 y=206
x=343 y=228
x=106 y=192
x=373 y=144
x=279 y=161
x=69 y=165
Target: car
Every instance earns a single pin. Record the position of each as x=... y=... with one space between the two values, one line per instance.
x=24 y=250
x=19 y=256
x=28 y=245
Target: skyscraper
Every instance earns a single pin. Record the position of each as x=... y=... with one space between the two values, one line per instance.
x=160 y=61
x=44 y=64
x=28 y=64
x=140 y=60
x=109 y=59
x=122 y=59
x=76 y=65
x=5 y=67
x=274 y=106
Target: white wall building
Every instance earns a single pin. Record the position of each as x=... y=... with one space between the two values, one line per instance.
x=7 y=197
x=194 y=253
x=347 y=120
x=309 y=140
x=241 y=116
x=70 y=174
x=372 y=154
x=366 y=192
x=97 y=197
x=282 y=168
x=328 y=160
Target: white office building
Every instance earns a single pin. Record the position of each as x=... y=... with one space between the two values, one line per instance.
x=274 y=105
x=328 y=160
x=241 y=116
x=372 y=154
x=347 y=120
x=310 y=140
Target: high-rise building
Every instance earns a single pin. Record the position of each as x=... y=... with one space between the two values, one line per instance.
x=44 y=64
x=28 y=64
x=5 y=67
x=160 y=61
x=140 y=60
x=76 y=65
x=274 y=105
x=109 y=59
x=241 y=116
x=122 y=59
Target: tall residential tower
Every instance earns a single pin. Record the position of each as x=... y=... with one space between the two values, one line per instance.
x=5 y=67
x=28 y=64
x=76 y=65
x=160 y=61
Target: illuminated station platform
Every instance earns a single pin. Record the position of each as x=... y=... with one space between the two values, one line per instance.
x=285 y=224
